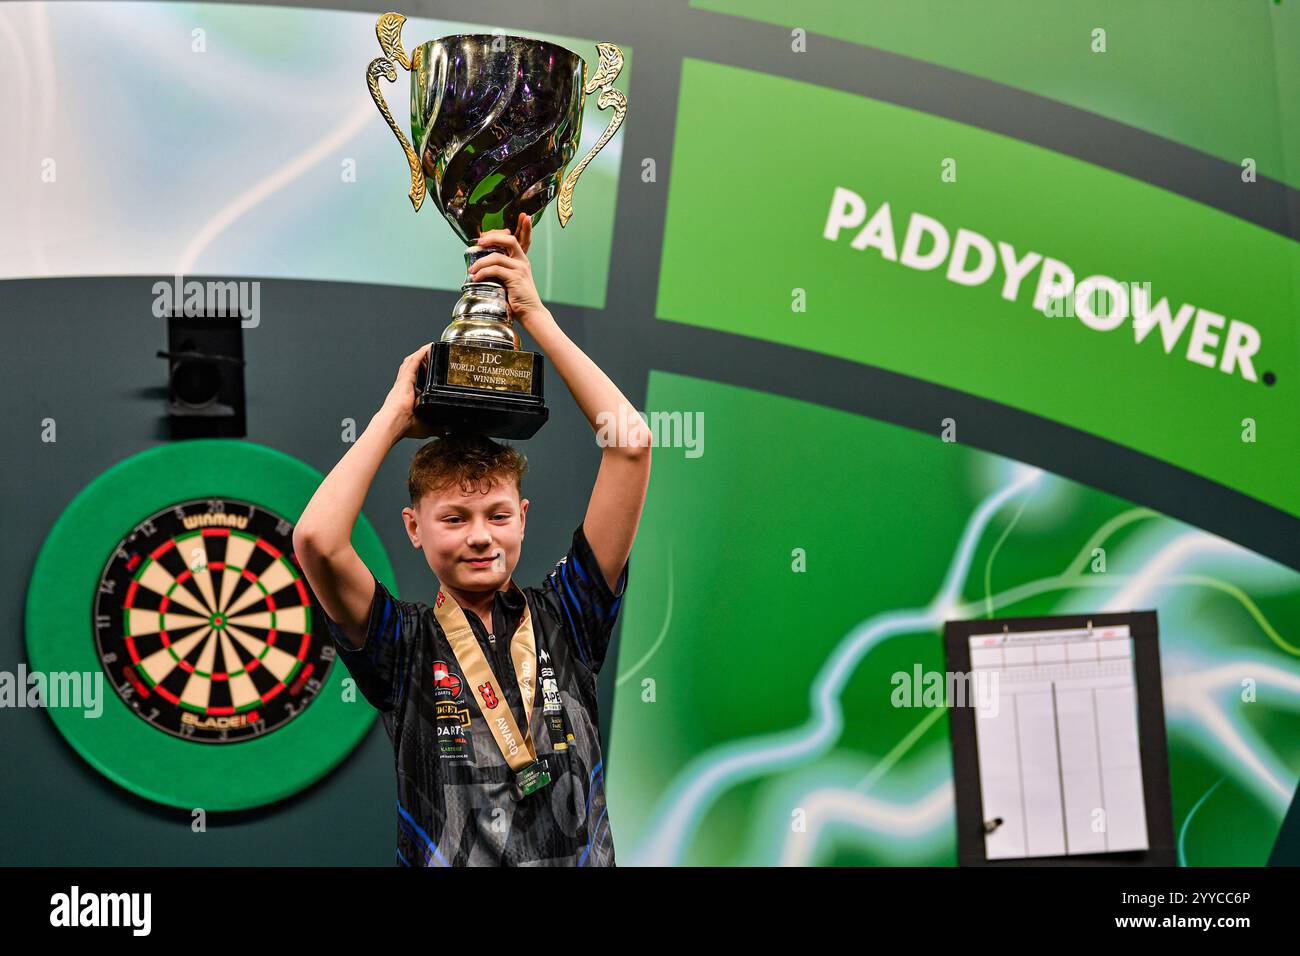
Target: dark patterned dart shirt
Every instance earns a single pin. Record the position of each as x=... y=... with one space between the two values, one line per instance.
x=457 y=801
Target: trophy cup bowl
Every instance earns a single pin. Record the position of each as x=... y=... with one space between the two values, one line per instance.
x=495 y=122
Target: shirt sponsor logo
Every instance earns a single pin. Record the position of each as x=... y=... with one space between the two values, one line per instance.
x=449 y=713
x=550 y=696
x=452 y=731
x=447 y=684
x=553 y=704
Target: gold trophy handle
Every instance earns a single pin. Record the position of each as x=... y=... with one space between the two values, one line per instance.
x=611 y=64
x=389 y=31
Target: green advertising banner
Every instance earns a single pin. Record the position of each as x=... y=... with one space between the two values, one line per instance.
x=1221 y=77
x=920 y=245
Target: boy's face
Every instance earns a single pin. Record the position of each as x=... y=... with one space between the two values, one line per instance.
x=470 y=539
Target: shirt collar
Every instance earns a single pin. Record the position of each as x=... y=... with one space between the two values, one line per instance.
x=509 y=606
x=512 y=597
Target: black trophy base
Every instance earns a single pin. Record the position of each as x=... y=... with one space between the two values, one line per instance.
x=447 y=403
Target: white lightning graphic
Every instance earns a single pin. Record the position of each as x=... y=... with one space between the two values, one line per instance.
x=1192 y=695
x=711 y=773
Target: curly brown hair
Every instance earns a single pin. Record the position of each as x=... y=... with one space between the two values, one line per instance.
x=474 y=462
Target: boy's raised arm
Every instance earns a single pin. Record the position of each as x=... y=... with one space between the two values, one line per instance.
x=618 y=495
x=322 y=538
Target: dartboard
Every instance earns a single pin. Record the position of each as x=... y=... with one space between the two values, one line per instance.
x=170 y=582
x=203 y=622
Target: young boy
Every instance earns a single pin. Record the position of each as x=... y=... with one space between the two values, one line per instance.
x=488 y=692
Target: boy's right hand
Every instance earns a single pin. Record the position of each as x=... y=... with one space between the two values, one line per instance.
x=400 y=403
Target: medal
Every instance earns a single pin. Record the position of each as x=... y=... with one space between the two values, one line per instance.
x=531 y=778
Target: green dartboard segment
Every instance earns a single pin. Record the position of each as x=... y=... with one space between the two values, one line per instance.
x=172 y=576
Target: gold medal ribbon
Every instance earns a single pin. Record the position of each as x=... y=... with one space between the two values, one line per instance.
x=515 y=747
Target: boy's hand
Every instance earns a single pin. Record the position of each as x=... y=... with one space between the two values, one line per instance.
x=512 y=269
x=399 y=406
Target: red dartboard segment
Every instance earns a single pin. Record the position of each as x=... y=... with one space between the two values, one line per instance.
x=163 y=549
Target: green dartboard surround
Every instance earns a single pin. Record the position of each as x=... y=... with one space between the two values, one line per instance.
x=60 y=631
